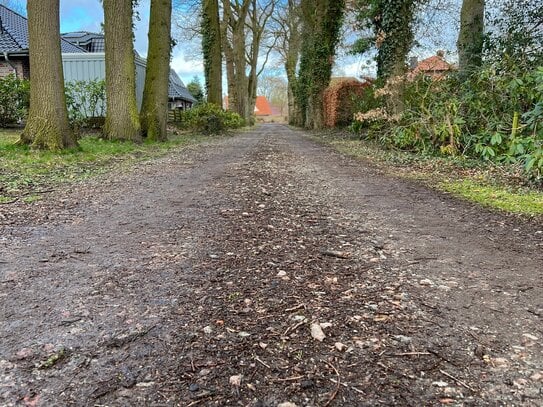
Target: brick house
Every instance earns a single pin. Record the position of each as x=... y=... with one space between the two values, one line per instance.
x=435 y=66
x=262 y=106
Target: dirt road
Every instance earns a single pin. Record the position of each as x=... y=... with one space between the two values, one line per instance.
x=209 y=276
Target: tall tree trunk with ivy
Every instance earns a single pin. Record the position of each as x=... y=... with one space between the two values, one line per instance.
x=393 y=28
x=320 y=35
x=154 y=111
x=292 y=55
x=393 y=24
x=212 y=51
x=470 y=37
x=47 y=126
x=122 y=119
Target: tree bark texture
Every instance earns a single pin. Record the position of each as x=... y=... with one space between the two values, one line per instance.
x=321 y=24
x=154 y=111
x=470 y=37
x=393 y=25
x=47 y=126
x=240 y=69
x=235 y=16
x=212 y=51
x=122 y=119
x=259 y=15
x=292 y=53
x=228 y=56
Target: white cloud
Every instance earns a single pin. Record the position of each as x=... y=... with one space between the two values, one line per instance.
x=187 y=69
x=354 y=66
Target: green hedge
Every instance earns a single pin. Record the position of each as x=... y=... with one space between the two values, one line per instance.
x=495 y=115
x=14 y=99
x=209 y=118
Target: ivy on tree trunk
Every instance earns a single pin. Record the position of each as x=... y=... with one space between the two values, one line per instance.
x=393 y=27
x=320 y=35
x=470 y=37
x=212 y=51
x=292 y=54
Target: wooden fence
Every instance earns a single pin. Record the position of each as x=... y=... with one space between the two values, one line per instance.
x=174 y=115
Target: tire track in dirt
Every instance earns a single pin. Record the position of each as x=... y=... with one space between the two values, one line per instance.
x=161 y=286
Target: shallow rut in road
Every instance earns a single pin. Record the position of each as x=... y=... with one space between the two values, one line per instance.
x=195 y=279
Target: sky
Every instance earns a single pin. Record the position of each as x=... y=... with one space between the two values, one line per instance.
x=87 y=15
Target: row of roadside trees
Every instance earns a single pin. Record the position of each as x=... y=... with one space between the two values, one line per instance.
x=47 y=126
x=304 y=34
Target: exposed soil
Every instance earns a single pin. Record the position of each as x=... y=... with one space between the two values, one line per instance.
x=196 y=279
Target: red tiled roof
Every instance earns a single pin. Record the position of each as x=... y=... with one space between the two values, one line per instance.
x=262 y=107
x=433 y=64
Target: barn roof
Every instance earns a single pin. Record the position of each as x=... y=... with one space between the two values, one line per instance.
x=14 y=34
x=177 y=89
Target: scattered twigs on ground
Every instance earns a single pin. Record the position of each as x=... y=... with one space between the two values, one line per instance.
x=460 y=382
x=294 y=327
x=262 y=362
x=338 y=383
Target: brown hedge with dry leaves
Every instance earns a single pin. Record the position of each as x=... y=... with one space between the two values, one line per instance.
x=338 y=103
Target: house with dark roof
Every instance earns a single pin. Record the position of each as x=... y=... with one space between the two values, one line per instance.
x=178 y=95
x=90 y=42
x=14 y=44
x=83 y=58
x=94 y=43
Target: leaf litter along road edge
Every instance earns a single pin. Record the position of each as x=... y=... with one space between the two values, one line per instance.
x=273 y=195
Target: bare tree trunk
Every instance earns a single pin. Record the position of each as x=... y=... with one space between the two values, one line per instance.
x=122 y=119
x=230 y=78
x=47 y=126
x=235 y=15
x=154 y=111
x=259 y=15
x=252 y=79
x=211 y=46
x=228 y=56
x=240 y=66
x=470 y=38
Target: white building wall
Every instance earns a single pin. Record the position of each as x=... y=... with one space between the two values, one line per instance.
x=92 y=66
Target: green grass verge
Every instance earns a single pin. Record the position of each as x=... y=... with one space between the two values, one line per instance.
x=497 y=187
x=25 y=172
x=526 y=202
